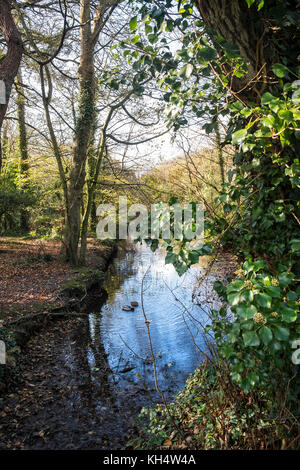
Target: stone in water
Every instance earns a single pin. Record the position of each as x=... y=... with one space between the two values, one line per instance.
x=127 y=308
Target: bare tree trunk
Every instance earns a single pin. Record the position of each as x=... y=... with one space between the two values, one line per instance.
x=56 y=149
x=9 y=66
x=220 y=153
x=92 y=162
x=94 y=174
x=5 y=144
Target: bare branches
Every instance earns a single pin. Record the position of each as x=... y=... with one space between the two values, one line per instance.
x=115 y=139
x=55 y=146
x=100 y=18
x=144 y=124
x=65 y=29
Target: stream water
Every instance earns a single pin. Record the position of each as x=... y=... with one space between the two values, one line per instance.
x=110 y=363
x=177 y=317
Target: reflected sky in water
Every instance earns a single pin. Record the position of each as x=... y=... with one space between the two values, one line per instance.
x=176 y=320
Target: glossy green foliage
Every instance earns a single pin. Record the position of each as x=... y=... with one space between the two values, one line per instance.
x=260 y=200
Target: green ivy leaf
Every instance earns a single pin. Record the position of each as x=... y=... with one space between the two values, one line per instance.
x=281 y=333
x=295 y=244
x=194 y=257
x=186 y=71
x=289 y=315
x=284 y=279
x=251 y=339
x=267 y=98
x=265 y=334
x=234 y=298
x=133 y=23
x=171 y=258
x=246 y=313
x=279 y=70
x=286 y=115
x=206 y=54
x=263 y=299
x=236 y=285
x=273 y=291
x=219 y=288
x=275 y=345
x=238 y=136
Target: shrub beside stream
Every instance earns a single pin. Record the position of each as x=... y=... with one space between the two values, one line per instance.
x=212 y=412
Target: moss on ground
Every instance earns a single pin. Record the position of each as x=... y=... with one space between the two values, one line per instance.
x=84 y=280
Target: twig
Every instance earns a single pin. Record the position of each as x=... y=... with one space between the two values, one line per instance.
x=133 y=352
x=159 y=391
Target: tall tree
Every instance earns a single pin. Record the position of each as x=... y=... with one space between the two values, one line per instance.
x=22 y=147
x=257 y=35
x=10 y=64
x=86 y=117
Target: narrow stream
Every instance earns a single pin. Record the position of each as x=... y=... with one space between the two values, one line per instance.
x=177 y=319
x=110 y=363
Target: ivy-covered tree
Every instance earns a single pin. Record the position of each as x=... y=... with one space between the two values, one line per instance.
x=22 y=148
x=10 y=62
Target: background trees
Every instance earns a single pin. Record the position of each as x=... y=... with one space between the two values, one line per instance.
x=83 y=105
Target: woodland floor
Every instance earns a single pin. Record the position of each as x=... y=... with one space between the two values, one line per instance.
x=58 y=406
x=31 y=273
x=53 y=403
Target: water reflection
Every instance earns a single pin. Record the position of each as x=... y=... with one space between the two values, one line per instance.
x=175 y=322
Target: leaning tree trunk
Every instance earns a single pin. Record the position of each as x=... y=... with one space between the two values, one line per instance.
x=10 y=65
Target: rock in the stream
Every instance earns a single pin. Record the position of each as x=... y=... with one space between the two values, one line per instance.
x=127 y=308
x=127 y=369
